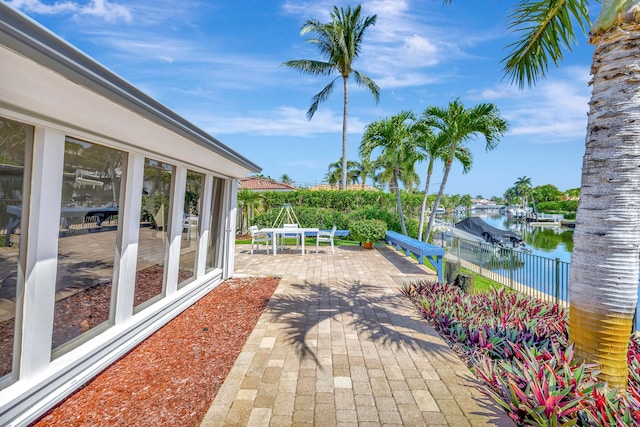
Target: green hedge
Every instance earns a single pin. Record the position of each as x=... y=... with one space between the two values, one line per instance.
x=558 y=206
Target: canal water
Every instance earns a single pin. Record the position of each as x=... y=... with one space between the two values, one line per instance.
x=549 y=242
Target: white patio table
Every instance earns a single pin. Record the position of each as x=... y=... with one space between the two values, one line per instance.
x=275 y=232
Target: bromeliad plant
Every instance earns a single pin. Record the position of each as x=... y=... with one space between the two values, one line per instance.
x=519 y=347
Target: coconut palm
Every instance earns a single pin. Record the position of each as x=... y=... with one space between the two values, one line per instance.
x=435 y=148
x=334 y=172
x=392 y=138
x=339 y=42
x=603 y=295
x=458 y=125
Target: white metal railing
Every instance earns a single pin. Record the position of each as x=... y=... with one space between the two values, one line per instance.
x=544 y=278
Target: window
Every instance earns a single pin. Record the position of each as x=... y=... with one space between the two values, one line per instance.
x=154 y=226
x=188 y=246
x=87 y=239
x=216 y=238
x=15 y=139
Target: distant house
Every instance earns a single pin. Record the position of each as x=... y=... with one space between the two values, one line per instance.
x=357 y=187
x=116 y=214
x=264 y=184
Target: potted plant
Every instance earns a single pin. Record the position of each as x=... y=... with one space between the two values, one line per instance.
x=368 y=231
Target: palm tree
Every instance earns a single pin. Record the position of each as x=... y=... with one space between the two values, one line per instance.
x=393 y=137
x=339 y=42
x=286 y=179
x=366 y=170
x=523 y=186
x=459 y=124
x=435 y=148
x=250 y=203
x=334 y=172
x=603 y=295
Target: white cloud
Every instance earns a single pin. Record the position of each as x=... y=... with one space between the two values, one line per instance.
x=554 y=110
x=284 y=121
x=105 y=9
x=402 y=45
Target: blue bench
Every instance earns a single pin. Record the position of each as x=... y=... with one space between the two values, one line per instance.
x=420 y=249
x=338 y=233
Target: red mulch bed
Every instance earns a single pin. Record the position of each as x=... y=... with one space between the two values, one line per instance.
x=172 y=377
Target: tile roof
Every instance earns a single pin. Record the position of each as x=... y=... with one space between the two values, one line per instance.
x=349 y=187
x=255 y=183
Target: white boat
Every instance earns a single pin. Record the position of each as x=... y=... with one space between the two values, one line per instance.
x=475 y=229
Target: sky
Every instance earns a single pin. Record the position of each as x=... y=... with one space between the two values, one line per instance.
x=218 y=64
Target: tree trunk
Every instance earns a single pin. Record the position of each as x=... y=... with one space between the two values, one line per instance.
x=423 y=208
x=343 y=180
x=399 y=202
x=452 y=271
x=432 y=217
x=603 y=285
x=465 y=282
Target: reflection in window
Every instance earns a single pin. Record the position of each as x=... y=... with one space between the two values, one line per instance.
x=192 y=196
x=14 y=138
x=214 y=246
x=154 y=225
x=87 y=239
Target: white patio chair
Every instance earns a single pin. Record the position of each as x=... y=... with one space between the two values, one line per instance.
x=257 y=238
x=189 y=224
x=285 y=235
x=327 y=237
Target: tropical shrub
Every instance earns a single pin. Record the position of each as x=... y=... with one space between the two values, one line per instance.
x=367 y=230
x=322 y=218
x=390 y=217
x=518 y=346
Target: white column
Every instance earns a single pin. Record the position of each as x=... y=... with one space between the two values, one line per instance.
x=230 y=214
x=35 y=304
x=176 y=212
x=124 y=275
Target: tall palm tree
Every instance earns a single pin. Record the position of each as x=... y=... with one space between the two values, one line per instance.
x=339 y=42
x=603 y=295
x=397 y=154
x=458 y=125
x=435 y=148
x=523 y=187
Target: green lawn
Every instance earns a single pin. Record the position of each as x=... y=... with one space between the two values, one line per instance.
x=310 y=241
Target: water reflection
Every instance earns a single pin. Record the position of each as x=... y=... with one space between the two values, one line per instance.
x=548 y=241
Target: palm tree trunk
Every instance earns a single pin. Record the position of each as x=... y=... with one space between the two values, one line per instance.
x=343 y=181
x=399 y=202
x=423 y=209
x=432 y=217
x=603 y=285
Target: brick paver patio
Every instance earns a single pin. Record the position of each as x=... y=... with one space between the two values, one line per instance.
x=339 y=346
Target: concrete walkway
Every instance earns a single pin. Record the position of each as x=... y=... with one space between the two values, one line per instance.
x=338 y=345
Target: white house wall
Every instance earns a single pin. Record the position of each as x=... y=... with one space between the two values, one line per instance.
x=60 y=102
x=64 y=95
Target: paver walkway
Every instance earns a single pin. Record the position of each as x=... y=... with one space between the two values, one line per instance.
x=339 y=346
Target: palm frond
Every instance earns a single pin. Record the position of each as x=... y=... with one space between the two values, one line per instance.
x=320 y=97
x=364 y=81
x=308 y=66
x=547 y=29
